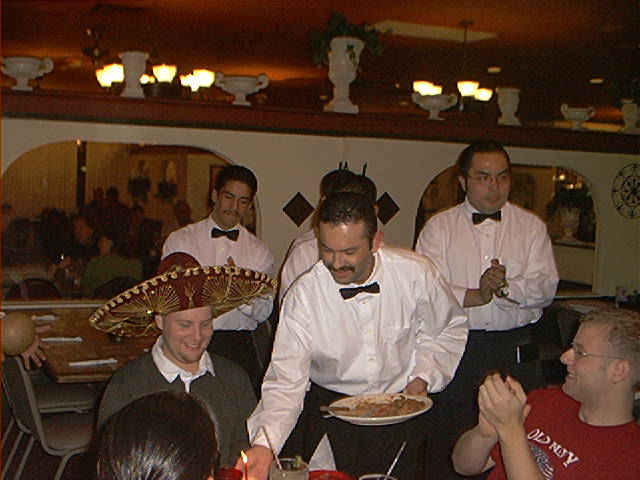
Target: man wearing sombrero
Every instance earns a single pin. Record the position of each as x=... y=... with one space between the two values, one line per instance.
x=182 y=302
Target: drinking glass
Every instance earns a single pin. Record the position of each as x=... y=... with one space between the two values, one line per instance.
x=289 y=471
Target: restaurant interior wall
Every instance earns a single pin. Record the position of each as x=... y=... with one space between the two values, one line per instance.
x=288 y=163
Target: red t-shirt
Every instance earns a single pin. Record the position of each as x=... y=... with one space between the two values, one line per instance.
x=565 y=447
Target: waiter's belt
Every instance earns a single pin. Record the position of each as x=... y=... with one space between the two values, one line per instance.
x=520 y=340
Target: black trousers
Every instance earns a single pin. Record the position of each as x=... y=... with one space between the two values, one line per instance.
x=455 y=409
x=357 y=449
x=238 y=346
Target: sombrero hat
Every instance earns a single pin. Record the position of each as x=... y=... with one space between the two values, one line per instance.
x=181 y=284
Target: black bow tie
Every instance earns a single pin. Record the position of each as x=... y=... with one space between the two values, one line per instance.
x=230 y=234
x=348 y=293
x=477 y=218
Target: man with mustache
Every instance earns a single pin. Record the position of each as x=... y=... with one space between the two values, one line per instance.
x=365 y=319
x=498 y=260
x=220 y=239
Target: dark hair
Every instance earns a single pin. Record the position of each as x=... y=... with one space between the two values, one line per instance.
x=112 y=193
x=360 y=184
x=162 y=436
x=83 y=218
x=239 y=174
x=345 y=208
x=334 y=179
x=481 y=146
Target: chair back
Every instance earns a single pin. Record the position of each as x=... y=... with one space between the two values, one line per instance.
x=113 y=287
x=22 y=399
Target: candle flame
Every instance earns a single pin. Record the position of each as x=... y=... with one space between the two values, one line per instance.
x=244 y=457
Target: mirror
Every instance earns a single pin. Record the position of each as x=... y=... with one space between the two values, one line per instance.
x=559 y=196
x=88 y=219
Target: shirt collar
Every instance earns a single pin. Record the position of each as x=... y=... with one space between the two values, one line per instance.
x=170 y=370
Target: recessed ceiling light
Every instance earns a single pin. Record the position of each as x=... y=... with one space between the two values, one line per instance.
x=494 y=69
x=596 y=81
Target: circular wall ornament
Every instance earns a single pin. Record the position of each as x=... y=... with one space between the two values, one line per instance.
x=625 y=191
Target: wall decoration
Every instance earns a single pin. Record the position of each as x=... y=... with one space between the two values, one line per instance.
x=625 y=191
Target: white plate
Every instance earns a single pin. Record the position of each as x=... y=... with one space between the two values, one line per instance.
x=351 y=402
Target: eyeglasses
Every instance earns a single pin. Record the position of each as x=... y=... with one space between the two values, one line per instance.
x=578 y=350
x=500 y=179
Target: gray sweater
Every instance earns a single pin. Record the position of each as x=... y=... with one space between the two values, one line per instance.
x=228 y=396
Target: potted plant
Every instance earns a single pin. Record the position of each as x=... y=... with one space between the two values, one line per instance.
x=338 y=26
x=339 y=46
x=627 y=94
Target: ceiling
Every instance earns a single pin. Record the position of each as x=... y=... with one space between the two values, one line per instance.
x=548 y=48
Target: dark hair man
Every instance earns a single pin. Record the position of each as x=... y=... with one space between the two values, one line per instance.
x=219 y=239
x=498 y=260
x=583 y=430
x=366 y=319
x=303 y=253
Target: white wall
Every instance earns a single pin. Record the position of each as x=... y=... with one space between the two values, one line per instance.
x=286 y=163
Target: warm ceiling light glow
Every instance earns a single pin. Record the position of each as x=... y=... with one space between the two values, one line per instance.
x=204 y=77
x=103 y=78
x=426 y=88
x=483 y=94
x=144 y=79
x=115 y=72
x=596 y=81
x=189 y=81
x=164 y=73
x=494 y=69
x=422 y=86
x=467 y=88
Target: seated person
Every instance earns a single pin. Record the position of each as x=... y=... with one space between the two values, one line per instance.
x=162 y=436
x=112 y=262
x=583 y=430
x=179 y=360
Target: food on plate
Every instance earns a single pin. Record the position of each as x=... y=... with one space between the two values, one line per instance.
x=386 y=406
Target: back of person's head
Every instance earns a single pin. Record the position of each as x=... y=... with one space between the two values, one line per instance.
x=112 y=193
x=162 y=436
x=623 y=338
x=239 y=174
x=360 y=184
x=481 y=146
x=334 y=179
x=346 y=208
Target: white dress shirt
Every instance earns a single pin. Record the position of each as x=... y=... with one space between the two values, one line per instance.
x=248 y=252
x=303 y=254
x=463 y=251
x=372 y=343
x=170 y=370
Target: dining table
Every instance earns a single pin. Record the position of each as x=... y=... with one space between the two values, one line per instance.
x=76 y=352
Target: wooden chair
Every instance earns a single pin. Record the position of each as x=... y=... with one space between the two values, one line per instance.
x=60 y=434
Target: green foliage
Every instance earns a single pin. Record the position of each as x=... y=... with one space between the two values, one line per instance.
x=626 y=88
x=139 y=188
x=338 y=26
x=167 y=191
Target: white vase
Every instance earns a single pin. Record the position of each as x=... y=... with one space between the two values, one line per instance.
x=23 y=69
x=344 y=56
x=434 y=103
x=631 y=117
x=240 y=86
x=508 y=100
x=570 y=220
x=134 y=64
x=577 y=116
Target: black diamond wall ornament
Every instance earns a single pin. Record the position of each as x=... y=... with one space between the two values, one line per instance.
x=298 y=209
x=387 y=208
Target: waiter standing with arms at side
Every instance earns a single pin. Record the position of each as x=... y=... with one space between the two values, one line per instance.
x=219 y=239
x=366 y=319
x=498 y=260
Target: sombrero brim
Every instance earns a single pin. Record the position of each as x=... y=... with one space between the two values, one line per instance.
x=132 y=313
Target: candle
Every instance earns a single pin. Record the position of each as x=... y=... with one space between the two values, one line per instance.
x=246 y=469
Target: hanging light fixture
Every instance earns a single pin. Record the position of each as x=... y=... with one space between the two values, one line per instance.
x=165 y=73
x=109 y=74
x=466 y=87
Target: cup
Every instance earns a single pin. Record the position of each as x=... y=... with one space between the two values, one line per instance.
x=376 y=476
x=288 y=471
x=229 y=473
